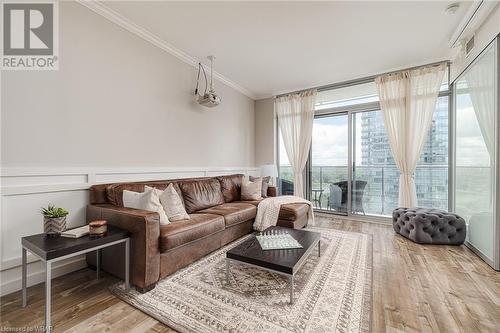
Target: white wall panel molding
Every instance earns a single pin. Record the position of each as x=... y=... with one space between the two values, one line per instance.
x=55 y=171
x=22 y=181
x=25 y=190
x=33 y=189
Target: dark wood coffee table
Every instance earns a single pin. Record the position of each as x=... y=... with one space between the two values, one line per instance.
x=285 y=262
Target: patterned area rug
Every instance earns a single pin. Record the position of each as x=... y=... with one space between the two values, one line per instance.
x=332 y=293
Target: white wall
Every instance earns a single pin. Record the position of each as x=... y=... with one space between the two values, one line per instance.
x=265 y=132
x=118 y=109
x=486 y=32
x=113 y=96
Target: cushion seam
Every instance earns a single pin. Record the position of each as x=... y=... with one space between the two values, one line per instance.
x=194 y=240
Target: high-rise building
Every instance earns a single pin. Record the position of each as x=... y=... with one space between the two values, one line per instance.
x=378 y=168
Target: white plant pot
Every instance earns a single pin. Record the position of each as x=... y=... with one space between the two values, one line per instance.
x=54 y=226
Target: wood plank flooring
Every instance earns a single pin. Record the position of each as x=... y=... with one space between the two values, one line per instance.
x=415 y=289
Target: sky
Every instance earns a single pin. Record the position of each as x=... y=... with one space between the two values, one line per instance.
x=329 y=142
x=470 y=147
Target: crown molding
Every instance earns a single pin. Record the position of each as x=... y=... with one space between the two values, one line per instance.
x=127 y=24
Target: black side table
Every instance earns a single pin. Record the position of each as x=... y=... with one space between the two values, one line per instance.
x=50 y=250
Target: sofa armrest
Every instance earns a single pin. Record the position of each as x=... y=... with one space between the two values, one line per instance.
x=272 y=191
x=144 y=227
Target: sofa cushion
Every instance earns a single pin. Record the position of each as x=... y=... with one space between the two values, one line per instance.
x=233 y=212
x=265 y=184
x=290 y=212
x=251 y=190
x=300 y=223
x=171 y=202
x=114 y=192
x=147 y=200
x=201 y=194
x=182 y=232
x=252 y=202
x=293 y=211
x=231 y=187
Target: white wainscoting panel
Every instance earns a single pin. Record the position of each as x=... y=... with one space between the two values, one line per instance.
x=25 y=190
x=127 y=177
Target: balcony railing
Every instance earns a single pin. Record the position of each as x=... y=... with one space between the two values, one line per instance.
x=375 y=190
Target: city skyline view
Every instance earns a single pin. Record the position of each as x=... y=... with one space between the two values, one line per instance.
x=373 y=161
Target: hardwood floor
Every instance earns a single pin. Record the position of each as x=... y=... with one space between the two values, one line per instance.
x=415 y=289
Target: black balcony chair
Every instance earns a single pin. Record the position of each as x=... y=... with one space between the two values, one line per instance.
x=340 y=188
x=286 y=187
x=334 y=201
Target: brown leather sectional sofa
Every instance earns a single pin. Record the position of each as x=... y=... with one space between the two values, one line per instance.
x=218 y=216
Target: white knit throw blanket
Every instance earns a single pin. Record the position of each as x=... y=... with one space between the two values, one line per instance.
x=268 y=211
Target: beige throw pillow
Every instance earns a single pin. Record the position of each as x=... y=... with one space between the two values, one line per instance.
x=265 y=184
x=147 y=200
x=172 y=204
x=251 y=190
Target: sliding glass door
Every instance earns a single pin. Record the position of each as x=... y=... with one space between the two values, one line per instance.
x=351 y=168
x=356 y=139
x=329 y=163
x=475 y=163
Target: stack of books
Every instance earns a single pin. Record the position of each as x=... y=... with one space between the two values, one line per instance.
x=76 y=232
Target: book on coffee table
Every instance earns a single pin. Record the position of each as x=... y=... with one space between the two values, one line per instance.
x=76 y=232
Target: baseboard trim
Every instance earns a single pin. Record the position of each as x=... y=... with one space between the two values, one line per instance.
x=364 y=218
x=38 y=276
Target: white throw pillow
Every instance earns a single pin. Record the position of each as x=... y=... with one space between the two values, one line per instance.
x=172 y=204
x=147 y=200
x=251 y=190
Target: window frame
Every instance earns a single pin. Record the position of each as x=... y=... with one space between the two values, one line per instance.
x=350 y=110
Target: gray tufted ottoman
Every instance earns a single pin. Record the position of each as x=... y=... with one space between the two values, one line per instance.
x=429 y=226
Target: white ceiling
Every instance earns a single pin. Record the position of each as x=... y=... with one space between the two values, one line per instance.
x=275 y=47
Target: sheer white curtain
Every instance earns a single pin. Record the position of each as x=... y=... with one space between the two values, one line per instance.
x=480 y=80
x=408 y=100
x=295 y=118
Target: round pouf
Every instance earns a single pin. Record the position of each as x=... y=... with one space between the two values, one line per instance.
x=429 y=226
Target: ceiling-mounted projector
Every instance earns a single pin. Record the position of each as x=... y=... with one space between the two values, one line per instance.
x=210 y=98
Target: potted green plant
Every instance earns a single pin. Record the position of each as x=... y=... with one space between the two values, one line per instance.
x=54 y=220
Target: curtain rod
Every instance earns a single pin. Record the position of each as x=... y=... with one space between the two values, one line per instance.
x=361 y=80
